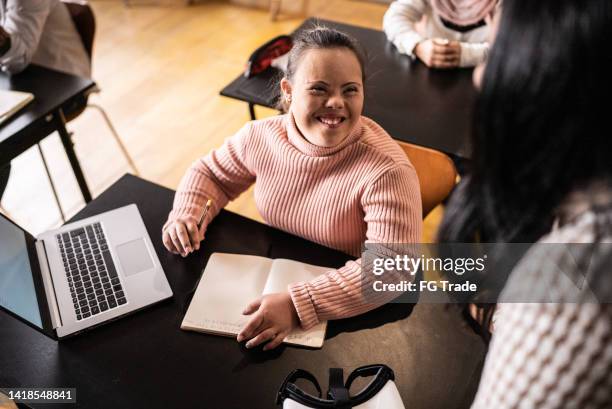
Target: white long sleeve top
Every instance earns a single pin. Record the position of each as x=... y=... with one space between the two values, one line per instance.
x=403 y=27
x=42 y=32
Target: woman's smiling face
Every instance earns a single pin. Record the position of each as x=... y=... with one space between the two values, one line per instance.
x=326 y=94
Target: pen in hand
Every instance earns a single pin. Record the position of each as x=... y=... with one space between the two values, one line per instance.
x=195 y=240
x=204 y=212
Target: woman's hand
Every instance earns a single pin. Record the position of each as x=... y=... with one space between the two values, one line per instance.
x=439 y=53
x=273 y=318
x=182 y=236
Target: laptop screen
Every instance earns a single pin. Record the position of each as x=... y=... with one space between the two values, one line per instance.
x=17 y=291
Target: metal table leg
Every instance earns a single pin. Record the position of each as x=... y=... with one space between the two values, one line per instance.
x=60 y=123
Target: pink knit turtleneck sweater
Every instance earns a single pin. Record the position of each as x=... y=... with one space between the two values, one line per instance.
x=363 y=189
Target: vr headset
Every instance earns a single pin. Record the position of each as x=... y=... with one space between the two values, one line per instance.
x=381 y=392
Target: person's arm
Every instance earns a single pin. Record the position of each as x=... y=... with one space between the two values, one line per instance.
x=24 y=23
x=222 y=175
x=548 y=356
x=399 y=24
x=392 y=207
x=473 y=54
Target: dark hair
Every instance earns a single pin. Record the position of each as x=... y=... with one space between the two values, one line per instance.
x=540 y=129
x=321 y=37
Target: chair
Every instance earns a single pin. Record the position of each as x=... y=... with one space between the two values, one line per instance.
x=128 y=3
x=85 y=24
x=436 y=172
x=275 y=7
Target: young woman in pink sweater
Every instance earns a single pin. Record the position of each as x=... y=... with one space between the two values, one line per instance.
x=323 y=172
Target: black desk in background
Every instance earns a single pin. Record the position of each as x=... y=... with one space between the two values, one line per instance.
x=54 y=94
x=431 y=108
x=145 y=360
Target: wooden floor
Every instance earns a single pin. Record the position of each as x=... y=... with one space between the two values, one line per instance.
x=160 y=69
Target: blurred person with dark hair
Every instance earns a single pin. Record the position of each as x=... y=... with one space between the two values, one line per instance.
x=542 y=173
x=441 y=33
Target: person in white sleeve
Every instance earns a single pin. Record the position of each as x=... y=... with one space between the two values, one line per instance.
x=441 y=33
x=40 y=32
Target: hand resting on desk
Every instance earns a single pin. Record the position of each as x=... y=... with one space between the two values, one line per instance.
x=439 y=53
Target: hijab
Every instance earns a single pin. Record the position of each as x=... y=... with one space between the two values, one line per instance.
x=463 y=12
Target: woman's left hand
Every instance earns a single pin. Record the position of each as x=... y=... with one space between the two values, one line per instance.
x=446 y=54
x=273 y=318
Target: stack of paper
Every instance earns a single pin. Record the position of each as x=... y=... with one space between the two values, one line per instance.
x=11 y=102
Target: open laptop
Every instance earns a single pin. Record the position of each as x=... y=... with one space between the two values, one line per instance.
x=82 y=274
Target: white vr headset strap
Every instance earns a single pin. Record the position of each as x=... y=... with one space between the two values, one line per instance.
x=380 y=393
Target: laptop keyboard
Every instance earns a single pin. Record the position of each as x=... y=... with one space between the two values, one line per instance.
x=92 y=277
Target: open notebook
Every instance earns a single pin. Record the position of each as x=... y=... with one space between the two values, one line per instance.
x=230 y=281
x=11 y=102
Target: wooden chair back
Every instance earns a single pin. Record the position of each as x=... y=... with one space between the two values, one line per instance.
x=436 y=172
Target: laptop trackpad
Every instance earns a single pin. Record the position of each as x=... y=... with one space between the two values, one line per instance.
x=134 y=257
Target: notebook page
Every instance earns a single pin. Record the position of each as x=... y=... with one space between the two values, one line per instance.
x=229 y=282
x=284 y=272
x=11 y=102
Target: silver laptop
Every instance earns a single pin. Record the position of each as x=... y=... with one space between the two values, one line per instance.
x=81 y=275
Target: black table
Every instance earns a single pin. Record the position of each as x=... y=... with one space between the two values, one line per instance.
x=415 y=104
x=55 y=93
x=145 y=361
